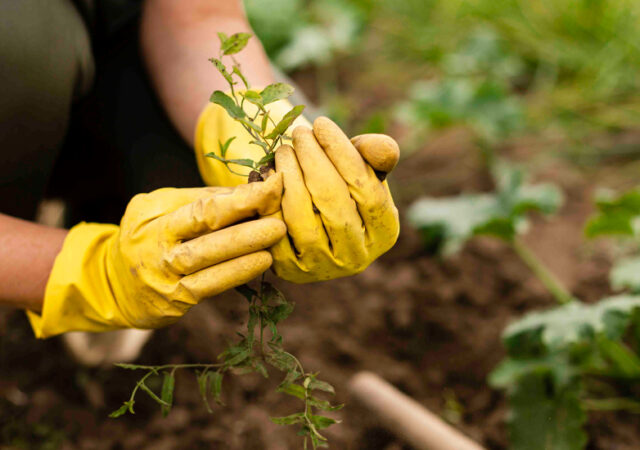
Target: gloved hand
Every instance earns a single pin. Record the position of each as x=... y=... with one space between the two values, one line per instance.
x=173 y=248
x=339 y=215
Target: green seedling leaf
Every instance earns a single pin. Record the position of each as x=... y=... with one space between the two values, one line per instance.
x=318 y=441
x=266 y=160
x=251 y=125
x=291 y=376
x=271 y=294
x=131 y=366
x=282 y=361
x=289 y=420
x=215 y=379
x=223 y=70
x=324 y=405
x=224 y=147
x=153 y=395
x=321 y=385
x=575 y=322
x=238 y=358
x=543 y=416
x=222 y=99
x=241 y=162
x=295 y=390
x=223 y=37
x=126 y=406
x=625 y=274
x=253 y=97
x=168 y=384
x=203 y=386
x=246 y=292
x=234 y=43
x=264 y=146
x=617 y=215
x=281 y=312
x=260 y=368
x=321 y=422
x=286 y=122
x=264 y=122
x=275 y=92
x=254 y=318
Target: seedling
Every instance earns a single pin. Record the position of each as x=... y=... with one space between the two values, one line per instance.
x=261 y=345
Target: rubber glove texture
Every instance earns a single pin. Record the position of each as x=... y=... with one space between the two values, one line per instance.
x=173 y=248
x=340 y=217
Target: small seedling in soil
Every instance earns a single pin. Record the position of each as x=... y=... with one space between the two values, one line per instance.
x=261 y=344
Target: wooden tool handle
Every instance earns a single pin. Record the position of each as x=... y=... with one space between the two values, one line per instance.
x=405 y=417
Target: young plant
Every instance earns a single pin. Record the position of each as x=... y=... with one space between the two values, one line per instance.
x=570 y=359
x=256 y=120
x=447 y=223
x=261 y=345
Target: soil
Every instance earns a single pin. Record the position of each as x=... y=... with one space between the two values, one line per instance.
x=429 y=326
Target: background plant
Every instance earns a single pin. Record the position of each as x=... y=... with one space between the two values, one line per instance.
x=261 y=345
x=570 y=359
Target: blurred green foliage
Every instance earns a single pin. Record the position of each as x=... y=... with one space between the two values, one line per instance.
x=445 y=224
x=567 y=68
x=298 y=33
x=574 y=63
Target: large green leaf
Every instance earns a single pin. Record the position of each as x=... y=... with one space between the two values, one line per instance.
x=546 y=417
x=560 y=327
x=446 y=223
x=617 y=215
x=625 y=274
x=511 y=370
x=452 y=220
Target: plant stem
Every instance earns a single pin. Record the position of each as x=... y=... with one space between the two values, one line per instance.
x=540 y=270
x=611 y=404
x=173 y=367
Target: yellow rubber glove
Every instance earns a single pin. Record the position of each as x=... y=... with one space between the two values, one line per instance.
x=173 y=248
x=340 y=216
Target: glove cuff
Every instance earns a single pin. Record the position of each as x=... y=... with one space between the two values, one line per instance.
x=78 y=295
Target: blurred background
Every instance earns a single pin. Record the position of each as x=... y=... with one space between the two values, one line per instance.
x=551 y=85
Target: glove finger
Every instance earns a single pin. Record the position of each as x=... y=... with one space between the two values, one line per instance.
x=225 y=244
x=216 y=279
x=330 y=194
x=303 y=224
x=379 y=150
x=217 y=211
x=372 y=197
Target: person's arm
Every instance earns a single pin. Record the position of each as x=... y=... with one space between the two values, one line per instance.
x=27 y=252
x=178 y=38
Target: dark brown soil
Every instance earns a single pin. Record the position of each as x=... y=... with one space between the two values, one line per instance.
x=430 y=327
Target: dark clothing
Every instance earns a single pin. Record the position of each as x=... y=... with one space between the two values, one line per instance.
x=93 y=140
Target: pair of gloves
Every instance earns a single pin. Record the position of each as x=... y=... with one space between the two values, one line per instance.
x=323 y=214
